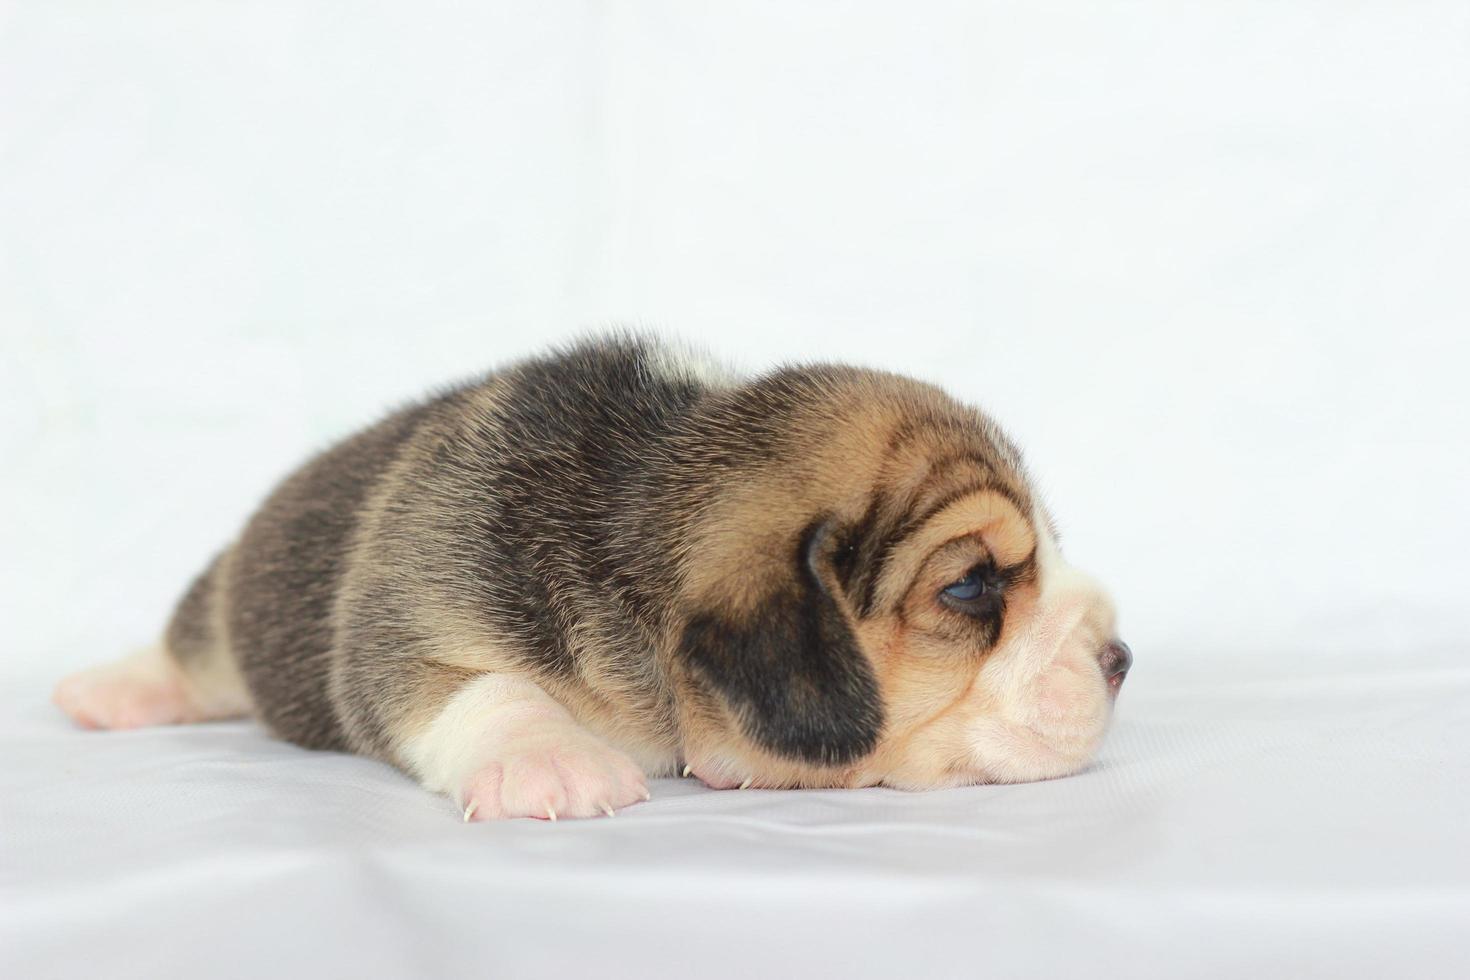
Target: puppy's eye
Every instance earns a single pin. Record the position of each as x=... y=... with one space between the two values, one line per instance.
x=969 y=588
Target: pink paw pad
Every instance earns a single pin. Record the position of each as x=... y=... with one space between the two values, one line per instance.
x=588 y=779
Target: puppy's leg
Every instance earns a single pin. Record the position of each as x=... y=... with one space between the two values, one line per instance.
x=502 y=747
x=146 y=688
x=189 y=677
x=142 y=689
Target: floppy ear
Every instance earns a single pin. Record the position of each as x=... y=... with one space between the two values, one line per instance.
x=789 y=667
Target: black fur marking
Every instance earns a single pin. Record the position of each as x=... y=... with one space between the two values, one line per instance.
x=791 y=668
x=569 y=451
x=854 y=555
x=1022 y=572
x=872 y=536
x=873 y=556
x=867 y=544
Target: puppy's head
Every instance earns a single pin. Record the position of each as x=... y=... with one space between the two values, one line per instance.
x=876 y=596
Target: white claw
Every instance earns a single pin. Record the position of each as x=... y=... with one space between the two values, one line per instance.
x=647 y=796
x=686 y=772
x=748 y=781
x=608 y=810
x=469 y=811
x=551 y=813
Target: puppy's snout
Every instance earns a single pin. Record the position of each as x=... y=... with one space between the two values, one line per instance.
x=1115 y=660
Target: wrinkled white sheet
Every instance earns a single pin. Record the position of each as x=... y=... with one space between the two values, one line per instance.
x=1269 y=823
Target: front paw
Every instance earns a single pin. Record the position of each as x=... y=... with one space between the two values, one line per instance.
x=574 y=778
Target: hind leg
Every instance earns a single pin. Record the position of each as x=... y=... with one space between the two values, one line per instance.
x=146 y=688
x=189 y=677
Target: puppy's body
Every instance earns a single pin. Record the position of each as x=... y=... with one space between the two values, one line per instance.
x=534 y=589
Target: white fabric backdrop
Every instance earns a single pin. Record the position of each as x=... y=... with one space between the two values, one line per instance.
x=1206 y=261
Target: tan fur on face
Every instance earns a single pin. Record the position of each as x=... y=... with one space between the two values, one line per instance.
x=1031 y=704
x=1036 y=707
x=986 y=517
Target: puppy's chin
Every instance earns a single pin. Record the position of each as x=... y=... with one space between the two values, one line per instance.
x=993 y=749
x=1004 y=752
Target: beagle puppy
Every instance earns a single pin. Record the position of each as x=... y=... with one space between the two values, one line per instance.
x=535 y=590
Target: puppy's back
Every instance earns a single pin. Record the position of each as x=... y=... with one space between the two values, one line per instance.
x=494 y=497
x=265 y=603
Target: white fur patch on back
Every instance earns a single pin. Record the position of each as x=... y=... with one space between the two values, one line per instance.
x=680 y=362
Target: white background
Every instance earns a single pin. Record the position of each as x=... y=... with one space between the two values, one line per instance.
x=1208 y=262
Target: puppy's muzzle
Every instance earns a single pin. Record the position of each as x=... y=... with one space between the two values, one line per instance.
x=1115 y=661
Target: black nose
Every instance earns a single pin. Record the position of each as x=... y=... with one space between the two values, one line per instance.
x=1115 y=659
